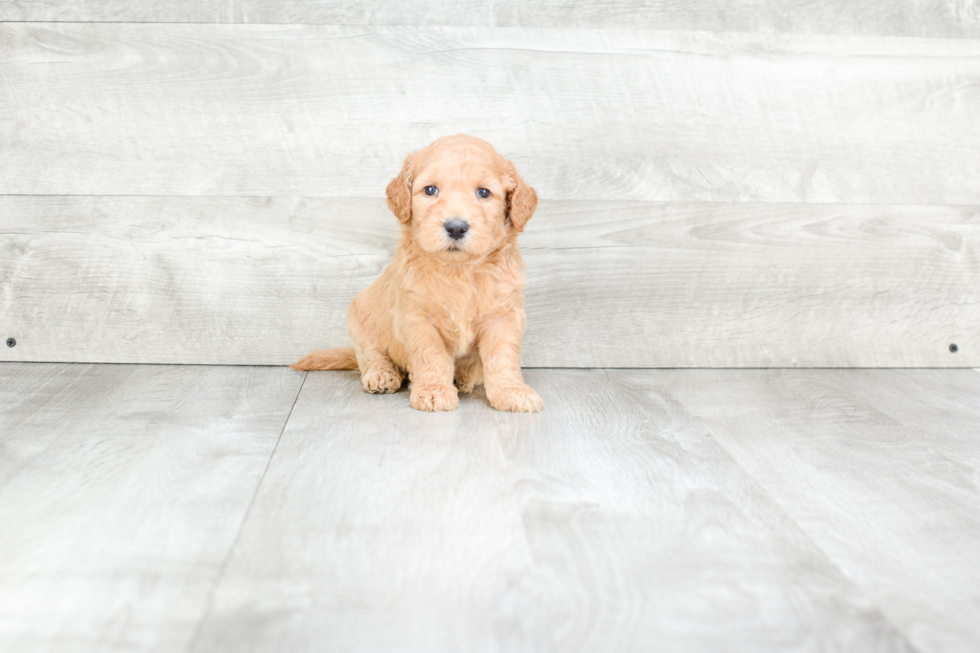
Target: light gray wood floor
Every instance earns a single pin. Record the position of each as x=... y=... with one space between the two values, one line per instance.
x=189 y=508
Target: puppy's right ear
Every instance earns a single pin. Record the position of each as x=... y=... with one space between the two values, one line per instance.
x=400 y=191
x=521 y=199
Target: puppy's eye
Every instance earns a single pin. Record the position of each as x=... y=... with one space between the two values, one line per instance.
x=483 y=192
x=430 y=190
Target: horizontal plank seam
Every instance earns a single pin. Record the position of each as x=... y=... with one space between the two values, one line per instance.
x=523 y=367
x=542 y=198
x=617 y=28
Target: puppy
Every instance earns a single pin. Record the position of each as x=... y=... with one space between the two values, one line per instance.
x=450 y=306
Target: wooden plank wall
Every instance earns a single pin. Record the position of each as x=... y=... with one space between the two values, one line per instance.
x=761 y=184
x=930 y=18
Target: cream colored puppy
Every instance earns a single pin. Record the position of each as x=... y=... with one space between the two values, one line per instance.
x=450 y=306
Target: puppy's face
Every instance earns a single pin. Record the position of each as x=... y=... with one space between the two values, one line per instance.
x=458 y=198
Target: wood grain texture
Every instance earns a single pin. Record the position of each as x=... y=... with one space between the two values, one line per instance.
x=879 y=467
x=122 y=489
x=940 y=18
x=609 y=522
x=585 y=113
x=615 y=284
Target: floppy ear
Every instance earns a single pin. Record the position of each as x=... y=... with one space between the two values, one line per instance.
x=400 y=191
x=521 y=201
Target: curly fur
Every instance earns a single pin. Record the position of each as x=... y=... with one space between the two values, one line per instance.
x=445 y=311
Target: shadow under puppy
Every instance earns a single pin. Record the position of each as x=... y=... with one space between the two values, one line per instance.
x=450 y=306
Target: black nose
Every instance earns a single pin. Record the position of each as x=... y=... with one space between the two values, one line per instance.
x=456 y=228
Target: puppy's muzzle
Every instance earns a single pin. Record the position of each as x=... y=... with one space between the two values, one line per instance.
x=456 y=228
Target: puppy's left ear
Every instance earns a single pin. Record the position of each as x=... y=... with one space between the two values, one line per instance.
x=400 y=191
x=521 y=200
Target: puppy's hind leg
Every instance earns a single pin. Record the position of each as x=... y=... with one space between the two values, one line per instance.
x=469 y=372
x=379 y=375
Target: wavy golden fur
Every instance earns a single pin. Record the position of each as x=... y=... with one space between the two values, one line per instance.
x=449 y=307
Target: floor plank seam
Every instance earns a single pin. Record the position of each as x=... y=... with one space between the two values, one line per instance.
x=911 y=648
x=248 y=511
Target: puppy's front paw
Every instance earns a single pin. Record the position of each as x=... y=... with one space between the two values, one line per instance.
x=434 y=397
x=516 y=399
x=381 y=381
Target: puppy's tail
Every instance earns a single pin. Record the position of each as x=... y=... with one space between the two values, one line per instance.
x=339 y=358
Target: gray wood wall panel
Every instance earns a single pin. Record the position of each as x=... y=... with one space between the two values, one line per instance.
x=622 y=284
x=606 y=523
x=586 y=114
x=122 y=490
x=942 y=18
x=879 y=468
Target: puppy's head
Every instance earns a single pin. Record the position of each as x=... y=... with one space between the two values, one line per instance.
x=460 y=199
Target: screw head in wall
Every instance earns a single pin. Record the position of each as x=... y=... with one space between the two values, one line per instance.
x=953 y=348
x=11 y=342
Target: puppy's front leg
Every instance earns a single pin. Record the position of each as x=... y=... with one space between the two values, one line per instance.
x=500 y=349
x=430 y=368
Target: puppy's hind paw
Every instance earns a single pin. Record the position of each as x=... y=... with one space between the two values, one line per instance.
x=434 y=397
x=381 y=381
x=466 y=387
x=516 y=399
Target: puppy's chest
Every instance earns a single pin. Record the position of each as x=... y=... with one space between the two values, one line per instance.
x=458 y=313
x=457 y=324
x=457 y=307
